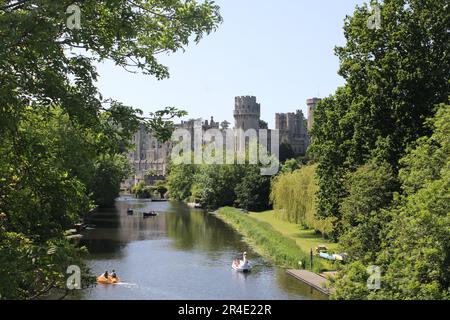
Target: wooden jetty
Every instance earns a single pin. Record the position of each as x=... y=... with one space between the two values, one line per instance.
x=312 y=279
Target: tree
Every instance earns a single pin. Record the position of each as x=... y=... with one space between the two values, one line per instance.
x=369 y=191
x=214 y=185
x=293 y=198
x=394 y=78
x=45 y=184
x=414 y=252
x=263 y=124
x=286 y=152
x=252 y=192
x=180 y=180
x=110 y=171
x=290 y=166
x=161 y=188
x=142 y=191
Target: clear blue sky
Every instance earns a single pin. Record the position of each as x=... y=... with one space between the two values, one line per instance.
x=279 y=51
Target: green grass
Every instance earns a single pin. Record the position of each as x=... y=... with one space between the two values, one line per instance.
x=274 y=244
x=305 y=239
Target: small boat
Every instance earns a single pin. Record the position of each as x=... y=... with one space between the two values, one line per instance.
x=341 y=256
x=102 y=280
x=325 y=255
x=242 y=265
x=130 y=212
x=150 y=214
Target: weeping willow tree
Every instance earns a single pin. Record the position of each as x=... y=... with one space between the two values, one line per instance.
x=293 y=196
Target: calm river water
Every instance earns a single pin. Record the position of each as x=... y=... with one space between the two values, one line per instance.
x=181 y=254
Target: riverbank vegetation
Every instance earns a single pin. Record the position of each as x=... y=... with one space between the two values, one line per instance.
x=214 y=186
x=278 y=248
x=306 y=239
x=156 y=191
x=294 y=195
x=381 y=147
x=409 y=237
x=378 y=179
x=61 y=142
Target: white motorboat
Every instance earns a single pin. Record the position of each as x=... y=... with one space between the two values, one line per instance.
x=242 y=265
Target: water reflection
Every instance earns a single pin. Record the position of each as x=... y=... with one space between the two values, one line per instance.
x=180 y=254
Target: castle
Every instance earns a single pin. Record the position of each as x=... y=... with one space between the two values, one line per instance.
x=150 y=157
x=292 y=127
x=312 y=104
x=247 y=113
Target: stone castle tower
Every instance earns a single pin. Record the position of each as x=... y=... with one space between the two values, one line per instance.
x=312 y=104
x=292 y=127
x=247 y=113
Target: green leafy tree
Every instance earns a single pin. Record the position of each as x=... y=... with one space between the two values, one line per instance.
x=263 y=124
x=161 y=188
x=414 y=254
x=253 y=191
x=41 y=194
x=286 y=152
x=142 y=191
x=394 y=78
x=180 y=180
x=369 y=191
x=290 y=166
x=214 y=185
x=46 y=182
x=294 y=199
x=109 y=172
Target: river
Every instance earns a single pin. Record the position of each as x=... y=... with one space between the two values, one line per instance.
x=181 y=254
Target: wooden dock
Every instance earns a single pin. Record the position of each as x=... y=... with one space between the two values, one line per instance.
x=312 y=279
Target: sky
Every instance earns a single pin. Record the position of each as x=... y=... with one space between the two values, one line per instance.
x=280 y=51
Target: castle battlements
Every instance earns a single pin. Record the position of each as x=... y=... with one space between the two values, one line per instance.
x=245 y=100
x=247 y=113
x=247 y=105
x=151 y=155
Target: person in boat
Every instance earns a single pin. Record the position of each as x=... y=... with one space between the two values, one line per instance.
x=113 y=274
x=105 y=274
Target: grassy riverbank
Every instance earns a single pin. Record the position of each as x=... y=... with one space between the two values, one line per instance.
x=305 y=239
x=281 y=249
